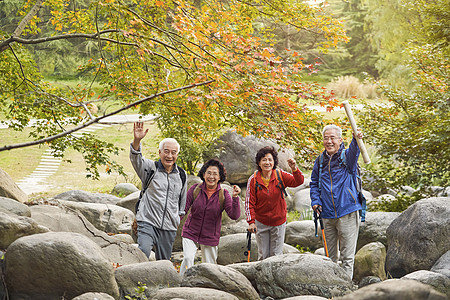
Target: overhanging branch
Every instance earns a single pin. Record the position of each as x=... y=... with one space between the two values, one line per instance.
x=96 y=120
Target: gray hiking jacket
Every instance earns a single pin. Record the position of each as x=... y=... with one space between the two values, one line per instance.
x=165 y=198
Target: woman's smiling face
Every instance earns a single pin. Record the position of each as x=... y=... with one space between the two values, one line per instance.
x=266 y=163
x=212 y=177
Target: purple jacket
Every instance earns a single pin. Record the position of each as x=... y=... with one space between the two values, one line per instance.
x=205 y=220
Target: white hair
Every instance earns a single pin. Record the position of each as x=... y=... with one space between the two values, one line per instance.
x=332 y=127
x=169 y=140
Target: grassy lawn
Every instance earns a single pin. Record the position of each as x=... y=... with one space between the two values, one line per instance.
x=19 y=163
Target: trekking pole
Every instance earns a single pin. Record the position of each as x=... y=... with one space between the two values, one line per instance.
x=319 y=216
x=362 y=147
x=249 y=245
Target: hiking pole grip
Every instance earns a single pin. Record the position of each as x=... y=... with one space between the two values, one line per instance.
x=362 y=147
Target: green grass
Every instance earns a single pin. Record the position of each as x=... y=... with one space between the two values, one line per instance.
x=19 y=163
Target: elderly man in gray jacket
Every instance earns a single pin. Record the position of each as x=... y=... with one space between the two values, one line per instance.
x=164 y=199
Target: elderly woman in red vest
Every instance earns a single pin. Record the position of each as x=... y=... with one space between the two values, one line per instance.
x=265 y=205
x=205 y=202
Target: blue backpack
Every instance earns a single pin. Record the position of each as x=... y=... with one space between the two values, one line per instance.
x=358 y=181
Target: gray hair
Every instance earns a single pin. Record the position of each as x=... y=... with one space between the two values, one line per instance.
x=332 y=127
x=169 y=140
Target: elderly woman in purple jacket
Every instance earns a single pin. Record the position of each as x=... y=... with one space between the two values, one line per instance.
x=203 y=223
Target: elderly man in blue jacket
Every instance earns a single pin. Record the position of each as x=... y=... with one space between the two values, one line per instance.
x=336 y=197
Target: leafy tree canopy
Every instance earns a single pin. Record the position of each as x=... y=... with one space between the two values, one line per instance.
x=412 y=133
x=201 y=66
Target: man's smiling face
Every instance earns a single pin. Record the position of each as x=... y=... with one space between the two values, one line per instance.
x=331 y=141
x=169 y=155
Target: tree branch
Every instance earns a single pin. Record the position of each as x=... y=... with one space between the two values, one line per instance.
x=96 y=120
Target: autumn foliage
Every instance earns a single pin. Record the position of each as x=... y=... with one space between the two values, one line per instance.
x=143 y=48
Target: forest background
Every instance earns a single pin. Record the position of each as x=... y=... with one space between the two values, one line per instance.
x=204 y=67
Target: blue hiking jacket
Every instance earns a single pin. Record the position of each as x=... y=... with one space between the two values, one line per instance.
x=338 y=195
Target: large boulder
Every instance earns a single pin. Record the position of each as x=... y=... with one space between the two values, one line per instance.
x=13 y=227
x=418 y=237
x=232 y=247
x=9 y=189
x=238 y=155
x=129 y=201
x=105 y=217
x=53 y=265
x=125 y=189
x=248 y=269
x=395 y=289
x=374 y=228
x=94 y=296
x=291 y=275
x=14 y=206
x=442 y=265
x=302 y=233
x=369 y=261
x=220 y=278
x=154 y=275
x=83 y=196
x=438 y=281
x=302 y=200
x=59 y=220
x=192 y=293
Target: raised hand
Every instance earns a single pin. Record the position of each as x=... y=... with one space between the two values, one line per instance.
x=236 y=190
x=139 y=132
x=292 y=164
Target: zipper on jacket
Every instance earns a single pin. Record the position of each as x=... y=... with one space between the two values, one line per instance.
x=351 y=194
x=331 y=185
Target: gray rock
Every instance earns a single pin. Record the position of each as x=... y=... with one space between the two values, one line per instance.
x=238 y=155
x=94 y=296
x=442 y=265
x=369 y=261
x=368 y=280
x=189 y=293
x=9 y=189
x=221 y=278
x=125 y=189
x=13 y=227
x=105 y=217
x=302 y=200
x=418 y=237
x=129 y=201
x=14 y=206
x=395 y=289
x=56 y=264
x=82 y=196
x=60 y=220
x=305 y=297
x=153 y=275
x=301 y=274
x=302 y=233
x=438 y=281
x=247 y=269
x=374 y=228
x=232 y=247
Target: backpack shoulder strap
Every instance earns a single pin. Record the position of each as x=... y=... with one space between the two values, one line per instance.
x=182 y=175
x=197 y=190
x=320 y=171
x=281 y=182
x=257 y=185
x=145 y=184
